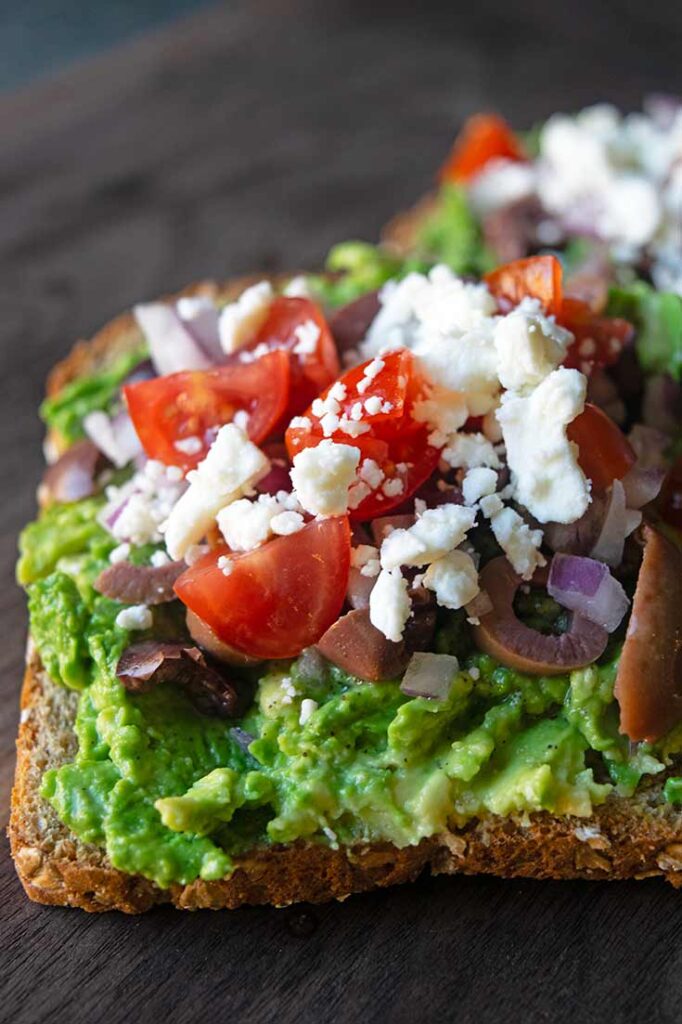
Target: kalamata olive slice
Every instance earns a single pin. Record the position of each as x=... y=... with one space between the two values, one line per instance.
x=356 y=646
x=649 y=681
x=152 y=663
x=350 y=324
x=139 y=584
x=502 y=635
x=208 y=641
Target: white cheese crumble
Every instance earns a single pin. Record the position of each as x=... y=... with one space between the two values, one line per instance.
x=232 y=465
x=136 y=616
x=189 y=445
x=520 y=544
x=120 y=553
x=226 y=565
x=529 y=346
x=436 y=531
x=544 y=463
x=240 y=321
x=285 y=523
x=323 y=475
x=308 y=708
x=307 y=336
x=389 y=604
x=469 y=451
x=297 y=288
x=135 y=511
x=478 y=483
x=159 y=559
x=453 y=578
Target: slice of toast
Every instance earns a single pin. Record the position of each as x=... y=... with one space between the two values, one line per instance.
x=625 y=838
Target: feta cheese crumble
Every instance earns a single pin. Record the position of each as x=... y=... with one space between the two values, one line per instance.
x=389 y=604
x=232 y=465
x=240 y=321
x=453 y=578
x=323 y=475
x=544 y=463
x=134 y=617
x=436 y=531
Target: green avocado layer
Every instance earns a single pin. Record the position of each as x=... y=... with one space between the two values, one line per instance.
x=175 y=795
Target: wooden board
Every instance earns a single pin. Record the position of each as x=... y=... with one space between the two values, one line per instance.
x=253 y=136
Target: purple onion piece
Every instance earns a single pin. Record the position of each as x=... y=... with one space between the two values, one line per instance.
x=115 y=436
x=586 y=587
x=74 y=475
x=642 y=486
x=143 y=371
x=649 y=445
x=359 y=588
x=430 y=675
x=173 y=348
x=199 y=315
x=277 y=479
x=611 y=540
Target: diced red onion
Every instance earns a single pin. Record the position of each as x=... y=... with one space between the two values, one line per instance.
x=143 y=371
x=172 y=346
x=114 y=436
x=642 y=485
x=111 y=512
x=359 y=588
x=649 y=446
x=277 y=479
x=74 y=475
x=430 y=675
x=242 y=738
x=200 y=316
x=611 y=539
x=586 y=586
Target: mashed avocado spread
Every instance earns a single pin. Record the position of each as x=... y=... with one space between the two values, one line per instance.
x=175 y=795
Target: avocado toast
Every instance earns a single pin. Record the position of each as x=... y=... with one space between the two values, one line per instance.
x=328 y=741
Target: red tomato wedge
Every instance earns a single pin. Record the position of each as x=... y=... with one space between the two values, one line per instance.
x=605 y=454
x=169 y=410
x=599 y=340
x=315 y=361
x=391 y=437
x=484 y=137
x=537 y=277
x=670 y=502
x=279 y=598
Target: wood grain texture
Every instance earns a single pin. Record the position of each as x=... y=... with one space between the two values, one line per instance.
x=250 y=137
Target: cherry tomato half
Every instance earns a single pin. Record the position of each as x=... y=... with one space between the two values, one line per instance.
x=484 y=137
x=299 y=327
x=604 y=454
x=279 y=598
x=599 y=340
x=537 y=277
x=390 y=436
x=169 y=411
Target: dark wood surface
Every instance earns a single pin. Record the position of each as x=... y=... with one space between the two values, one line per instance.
x=252 y=137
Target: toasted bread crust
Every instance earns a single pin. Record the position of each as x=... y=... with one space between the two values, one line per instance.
x=634 y=838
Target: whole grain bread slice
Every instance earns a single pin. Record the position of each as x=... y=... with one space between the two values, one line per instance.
x=633 y=837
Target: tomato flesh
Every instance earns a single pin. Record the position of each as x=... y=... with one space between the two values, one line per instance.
x=604 y=453
x=314 y=363
x=170 y=410
x=537 y=277
x=279 y=598
x=599 y=340
x=483 y=138
x=394 y=440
